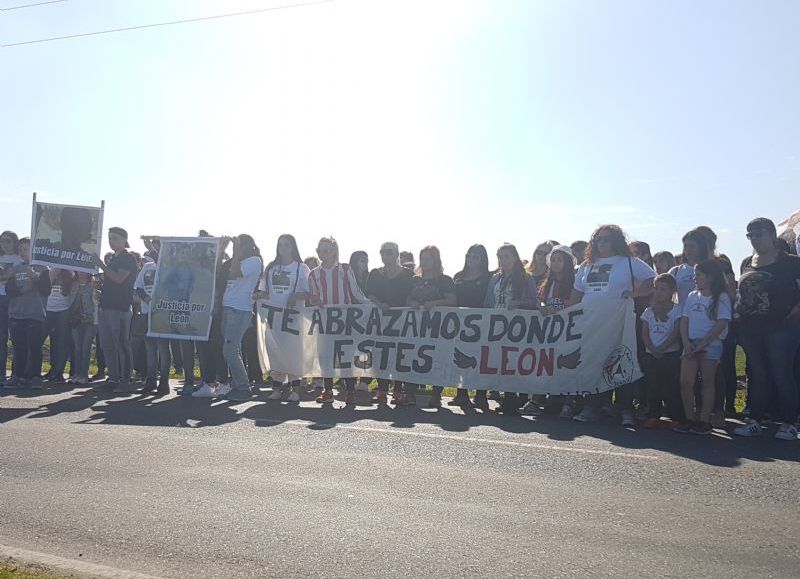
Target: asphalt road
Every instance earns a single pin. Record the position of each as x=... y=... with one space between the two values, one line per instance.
x=194 y=488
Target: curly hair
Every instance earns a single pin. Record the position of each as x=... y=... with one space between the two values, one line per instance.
x=619 y=244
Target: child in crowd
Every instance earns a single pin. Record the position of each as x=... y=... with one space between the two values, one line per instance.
x=706 y=315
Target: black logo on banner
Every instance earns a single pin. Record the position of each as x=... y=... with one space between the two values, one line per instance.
x=618 y=368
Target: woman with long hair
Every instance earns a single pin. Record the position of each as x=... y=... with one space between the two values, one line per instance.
x=284 y=285
x=554 y=295
x=237 y=313
x=470 y=286
x=510 y=287
x=537 y=268
x=359 y=263
x=611 y=272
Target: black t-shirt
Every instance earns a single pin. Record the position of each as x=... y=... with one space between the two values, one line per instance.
x=392 y=291
x=768 y=293
x=471 y=293
x=425 y=289
x=119 y=296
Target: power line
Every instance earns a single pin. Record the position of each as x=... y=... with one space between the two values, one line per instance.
x=31 y=5
x=170 y=23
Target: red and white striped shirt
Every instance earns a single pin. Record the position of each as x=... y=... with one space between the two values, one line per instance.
x=336 y=286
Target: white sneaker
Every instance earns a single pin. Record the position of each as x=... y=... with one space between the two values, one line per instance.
x=294 y=396
x=222 y=390
x=276 y=395
x=628 y=420
x=205 y=391
x=786 y=432
x=588 y=414
x=752 y=428
x=566 y=411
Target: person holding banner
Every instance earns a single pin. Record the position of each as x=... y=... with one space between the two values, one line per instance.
x=430 y=288
x=554 y=295
x=9 y=258
x=611 y=272
x=58 y=306
x=285 y=285
x=510 y=287
x=237 y=313
x=389 y=287
x=83 y=320
x=115 y=310
x=157 y=349
x=27 y=289
x=470 y=285
x=334 y=284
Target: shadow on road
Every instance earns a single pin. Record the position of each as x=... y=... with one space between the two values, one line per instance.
x=721 y=449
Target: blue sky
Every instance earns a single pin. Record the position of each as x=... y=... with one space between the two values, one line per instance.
x=422 y=122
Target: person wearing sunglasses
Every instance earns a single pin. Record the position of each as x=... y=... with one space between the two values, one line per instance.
x=769 y=329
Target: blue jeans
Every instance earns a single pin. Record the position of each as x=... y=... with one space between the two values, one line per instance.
x=3 y=335
x=28 y=339
x=115 y=335
x=770 y=357
x=82 y=336
x=234 y=325
x=58 y=330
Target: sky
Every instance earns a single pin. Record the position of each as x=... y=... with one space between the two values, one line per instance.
x=422 y=122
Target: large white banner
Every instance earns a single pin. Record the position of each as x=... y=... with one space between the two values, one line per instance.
x=585 y=349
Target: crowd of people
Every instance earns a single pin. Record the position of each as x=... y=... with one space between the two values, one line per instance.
x=692 y=315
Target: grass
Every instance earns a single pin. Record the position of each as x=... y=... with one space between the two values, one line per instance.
x=15 y=572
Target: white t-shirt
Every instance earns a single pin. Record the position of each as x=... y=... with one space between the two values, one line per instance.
x=696 y=310
x=239 y=292
x=145 y=281
x=661 y=331
x=57 y=301
x=8 y=261
x=684 y=276
x=610 y=277
x=281 y=281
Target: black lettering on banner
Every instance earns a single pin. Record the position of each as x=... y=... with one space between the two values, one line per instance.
x=470 y=323
x=410 y=323
x=333 y=322
x=288 y=320
x=270 y=313
x=451 y=325
x=571 y=324
x=538 y=329
x=516 y=329
x=385 y=348
x=401 y=348
x=316 y=322
x=373 y=323
x=351 y=322
x=338 y=353
x=364 y=362
x=425 y=363
x=429 y=326
x=556 y=328
x=496 y=334
x=389 y=330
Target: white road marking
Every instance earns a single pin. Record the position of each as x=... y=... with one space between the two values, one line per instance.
x=297 y=422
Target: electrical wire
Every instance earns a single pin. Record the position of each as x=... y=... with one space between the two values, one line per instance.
x=31 y=5
x=170 y=23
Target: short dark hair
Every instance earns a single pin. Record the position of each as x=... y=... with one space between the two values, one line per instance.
x=762 y=224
